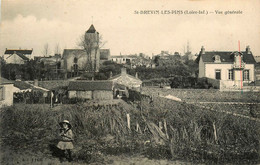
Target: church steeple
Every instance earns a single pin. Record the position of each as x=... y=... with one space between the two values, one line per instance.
x=91 y=29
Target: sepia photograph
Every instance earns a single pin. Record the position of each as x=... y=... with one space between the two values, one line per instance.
x=152 y=82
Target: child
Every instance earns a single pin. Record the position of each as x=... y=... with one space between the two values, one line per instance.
x=66 y=138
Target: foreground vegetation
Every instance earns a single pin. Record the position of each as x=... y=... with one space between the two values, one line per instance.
x=159 y=129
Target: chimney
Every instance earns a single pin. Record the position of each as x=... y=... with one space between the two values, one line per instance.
x=35 y=82
x=248 y=50
x=18 y=77
x=202 y=50
x=123 y=71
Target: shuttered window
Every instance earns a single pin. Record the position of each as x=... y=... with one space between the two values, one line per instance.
x=230 y=74
x=1 y=93
x=246 y=75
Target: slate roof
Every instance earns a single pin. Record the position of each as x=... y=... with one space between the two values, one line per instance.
x=104 y=54
x=91 y=29
x=20 y=51
x=225 y=56
x=5 y=81
x=90 y=85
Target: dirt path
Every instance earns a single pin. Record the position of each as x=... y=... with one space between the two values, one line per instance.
x=39 y=159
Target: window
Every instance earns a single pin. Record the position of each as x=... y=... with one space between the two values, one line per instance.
x=218 y=74
x=216 y=58
x=246 y=75
x=230 y=74
x=75 y=60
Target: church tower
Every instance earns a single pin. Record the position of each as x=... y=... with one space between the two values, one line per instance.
x=92 y=47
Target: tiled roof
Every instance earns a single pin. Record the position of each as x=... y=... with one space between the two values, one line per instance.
x=104 y=54
x=91 y=29
x=90 y=85
x=11 y=51
x=227 y=57
x=53 y=84
x=119 y=75
x=5 y=81
x=22 y=85
x=120 y=86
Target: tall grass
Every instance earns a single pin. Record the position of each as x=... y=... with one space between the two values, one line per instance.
x=198 y=133
x=186 y=131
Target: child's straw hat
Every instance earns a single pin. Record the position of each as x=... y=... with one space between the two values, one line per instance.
x=65 y=121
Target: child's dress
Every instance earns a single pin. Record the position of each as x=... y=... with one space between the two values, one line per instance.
x=65 y=142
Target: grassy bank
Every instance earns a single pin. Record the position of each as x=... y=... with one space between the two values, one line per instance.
x=159 y=129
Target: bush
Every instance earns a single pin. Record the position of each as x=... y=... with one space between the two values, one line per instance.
x=186 y=131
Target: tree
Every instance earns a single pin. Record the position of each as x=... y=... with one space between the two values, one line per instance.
x=46 y=50
x=91 y=43
x=57 y=49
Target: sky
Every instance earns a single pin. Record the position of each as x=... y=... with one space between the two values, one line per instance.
x=33 y=23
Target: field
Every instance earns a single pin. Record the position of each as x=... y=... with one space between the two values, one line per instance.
x=158 y=130
x=242 y=103
x=205 y=95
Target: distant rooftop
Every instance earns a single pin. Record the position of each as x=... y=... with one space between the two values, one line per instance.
x=81 y=85
x=124 y=56
x=20 y=51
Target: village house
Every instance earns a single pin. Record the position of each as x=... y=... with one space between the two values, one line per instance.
x=53 y=65
x=91 y=90
x=104 y=55
x=231 y=69
x=51 y=60
x=17 y=56
x=6 y=92
x=77 y=60
x=165 y=58
x=127 y=80
x=165 y=55
x=123 y=59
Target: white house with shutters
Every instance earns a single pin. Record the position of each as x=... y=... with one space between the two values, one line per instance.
x=232 y=69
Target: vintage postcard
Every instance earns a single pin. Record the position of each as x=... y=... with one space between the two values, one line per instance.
x=130 y=82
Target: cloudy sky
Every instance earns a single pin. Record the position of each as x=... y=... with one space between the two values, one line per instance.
x=30 y=24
